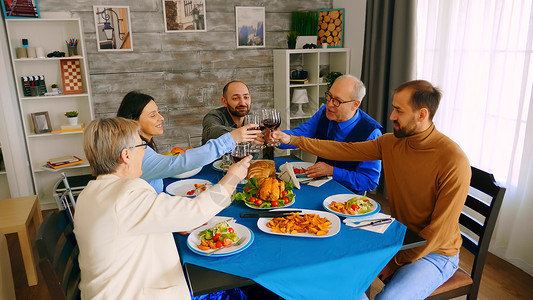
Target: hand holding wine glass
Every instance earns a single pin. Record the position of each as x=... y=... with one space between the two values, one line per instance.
x=253 y=118
x=246 y=133
x=272 y=121
x=241 y=151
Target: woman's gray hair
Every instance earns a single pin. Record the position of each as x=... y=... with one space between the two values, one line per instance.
x=104 y=140
x=359 y=89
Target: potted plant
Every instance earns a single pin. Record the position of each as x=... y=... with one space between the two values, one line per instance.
x=324 y=43
x=291 y=39
x=72 y=117
x=55 y=88
x=331 y=77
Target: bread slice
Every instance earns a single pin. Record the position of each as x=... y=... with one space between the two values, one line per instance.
x=261 y=169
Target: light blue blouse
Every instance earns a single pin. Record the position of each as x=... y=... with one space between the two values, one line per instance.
x=156 y=166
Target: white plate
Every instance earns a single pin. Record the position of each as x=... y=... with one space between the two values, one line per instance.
x=216 y=165
x=188 y=173
x=333 y=229
x=180 y=188
x=268 y=208
x=345 y=197
x=242 y=232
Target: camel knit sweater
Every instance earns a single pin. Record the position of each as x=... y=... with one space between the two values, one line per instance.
x=427 y=176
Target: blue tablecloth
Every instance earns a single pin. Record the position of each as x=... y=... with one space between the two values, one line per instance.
x=338 y=267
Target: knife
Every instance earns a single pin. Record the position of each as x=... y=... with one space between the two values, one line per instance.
x=312 y=179
x=268 y=214
x=375 y=223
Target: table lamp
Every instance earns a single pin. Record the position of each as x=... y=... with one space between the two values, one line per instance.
x=299 y=97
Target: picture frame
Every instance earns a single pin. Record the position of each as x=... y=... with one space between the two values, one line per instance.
x=331 y=27
x=113 y=28
x=250 y=27
x=41 y=122
x=184 y=16
x=9 y=8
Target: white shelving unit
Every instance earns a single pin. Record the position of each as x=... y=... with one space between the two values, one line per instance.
x=51 y=34
x=312 y=61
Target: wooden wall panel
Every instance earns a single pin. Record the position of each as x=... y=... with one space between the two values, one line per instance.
x=185 y=71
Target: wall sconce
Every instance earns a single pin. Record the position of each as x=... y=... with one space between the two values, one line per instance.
x=299 y=97
x=108 y=30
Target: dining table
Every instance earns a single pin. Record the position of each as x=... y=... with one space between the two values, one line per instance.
x=341 y=266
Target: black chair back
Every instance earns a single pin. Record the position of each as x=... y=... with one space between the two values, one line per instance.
x=477 y=222
x=58 y=256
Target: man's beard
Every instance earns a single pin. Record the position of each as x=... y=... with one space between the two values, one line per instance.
x=236 y=113
x=408 y=130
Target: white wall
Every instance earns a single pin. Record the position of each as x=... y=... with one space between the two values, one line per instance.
x=354 y=31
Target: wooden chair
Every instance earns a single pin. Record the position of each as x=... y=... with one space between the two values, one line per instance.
x=58 y=256
x=478 y=220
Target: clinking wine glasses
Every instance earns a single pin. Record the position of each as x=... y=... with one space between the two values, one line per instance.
x=253 y=118
x=271 y=120
x=241 y=151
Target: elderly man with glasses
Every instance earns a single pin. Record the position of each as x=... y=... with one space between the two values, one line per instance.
x=341 y=120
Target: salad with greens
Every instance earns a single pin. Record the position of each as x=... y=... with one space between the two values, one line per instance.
x=249 y=195
x=361 y=205
x=220 y=235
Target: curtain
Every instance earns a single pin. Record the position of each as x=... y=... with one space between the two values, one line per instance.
x=388 y=54
x=480 y=54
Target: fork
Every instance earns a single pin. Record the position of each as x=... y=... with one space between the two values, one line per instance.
x=240 y=241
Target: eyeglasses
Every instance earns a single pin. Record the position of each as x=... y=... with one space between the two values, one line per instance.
x=336 y=101
x=143 y=145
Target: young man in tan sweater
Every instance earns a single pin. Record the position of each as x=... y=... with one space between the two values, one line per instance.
x=427 y=176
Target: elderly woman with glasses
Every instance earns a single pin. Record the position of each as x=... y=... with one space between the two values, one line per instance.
x=124 y=228
x=143 y=109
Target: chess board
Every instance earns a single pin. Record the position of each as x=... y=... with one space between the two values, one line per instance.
x=71 y=76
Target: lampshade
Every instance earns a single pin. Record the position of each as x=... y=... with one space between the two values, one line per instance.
x=299 y=96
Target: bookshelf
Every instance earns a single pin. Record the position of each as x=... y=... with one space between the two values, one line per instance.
x=51 y=35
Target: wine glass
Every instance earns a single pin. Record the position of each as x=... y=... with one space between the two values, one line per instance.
x=272 y=121
x=253 y=118
x=241 y=151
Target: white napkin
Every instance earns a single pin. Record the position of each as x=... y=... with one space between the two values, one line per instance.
x=287 y=174
x=316 y=183
x=353 y=222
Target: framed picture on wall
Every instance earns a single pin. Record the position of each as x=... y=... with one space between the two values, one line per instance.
x=41 y=122
x=20 y=9
x=331 y=27
x=184 y=15
x=250 y=26
x=113 y=28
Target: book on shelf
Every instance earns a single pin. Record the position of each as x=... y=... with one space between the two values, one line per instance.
x=64 y=161
x=299 y=81
x=70 y=128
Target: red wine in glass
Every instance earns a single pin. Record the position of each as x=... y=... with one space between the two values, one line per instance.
x=237 y=158
x=271 y=124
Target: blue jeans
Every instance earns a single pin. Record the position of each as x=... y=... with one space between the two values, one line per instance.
x=420 y=278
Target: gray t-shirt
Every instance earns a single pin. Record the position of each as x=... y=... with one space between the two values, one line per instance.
x=216 y=123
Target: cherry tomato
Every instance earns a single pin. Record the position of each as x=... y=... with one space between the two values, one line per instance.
x=252 y=199
x=258 y=202
x=227 y=242
x=246 y=190
x=355 y=206
x=366 y=200
x=286 y=200
x=219 y=244
x=283 y=193
x=230 y=230
x=296 y=171
x=275 y=203
x=190 y=193
x=216 y=237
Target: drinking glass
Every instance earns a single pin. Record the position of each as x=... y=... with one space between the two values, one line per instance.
x=241 y=151
x=253 y=118
x=271 y=120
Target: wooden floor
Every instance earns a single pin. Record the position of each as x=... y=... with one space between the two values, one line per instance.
x=501 y=280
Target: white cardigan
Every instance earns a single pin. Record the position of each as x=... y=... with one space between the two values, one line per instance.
x=124 y=232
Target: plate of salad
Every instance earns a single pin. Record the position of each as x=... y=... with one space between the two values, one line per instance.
x=351 y=205
x=221 y=235
x=249 y=196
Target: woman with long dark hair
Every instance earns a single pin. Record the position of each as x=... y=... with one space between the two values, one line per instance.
x=143 y=109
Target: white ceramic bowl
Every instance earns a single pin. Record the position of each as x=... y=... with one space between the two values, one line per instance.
x=188 y=173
